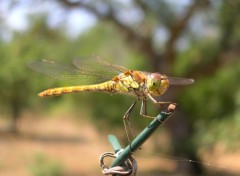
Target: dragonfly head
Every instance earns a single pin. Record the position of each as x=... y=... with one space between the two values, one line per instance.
x=157 y=84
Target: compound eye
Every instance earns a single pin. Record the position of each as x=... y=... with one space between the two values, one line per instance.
x=156 y=76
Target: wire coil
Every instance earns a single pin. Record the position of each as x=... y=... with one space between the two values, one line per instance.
x=128 y=168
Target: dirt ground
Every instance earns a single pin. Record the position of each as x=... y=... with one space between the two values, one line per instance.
x=77 y=146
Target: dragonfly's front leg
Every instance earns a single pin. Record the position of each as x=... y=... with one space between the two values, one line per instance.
x=143 y=111
x=157 y=102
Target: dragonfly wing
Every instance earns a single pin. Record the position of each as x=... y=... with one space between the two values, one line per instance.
x=98 y=65
x=180 y=81
x=70 y=73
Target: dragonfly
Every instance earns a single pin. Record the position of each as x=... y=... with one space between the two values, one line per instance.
x=97 y=75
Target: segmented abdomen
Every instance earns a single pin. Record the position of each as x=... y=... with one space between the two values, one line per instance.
x=106 y=87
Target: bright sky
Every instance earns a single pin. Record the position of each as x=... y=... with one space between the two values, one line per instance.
x=75 y=20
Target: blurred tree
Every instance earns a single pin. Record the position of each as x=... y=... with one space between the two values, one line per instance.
x=139 y=22
x=215 y=62
x=140 y=30
x=17 y=84
x=199 y=39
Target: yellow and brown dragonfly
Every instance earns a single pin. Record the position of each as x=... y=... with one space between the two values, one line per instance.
x=96 y=75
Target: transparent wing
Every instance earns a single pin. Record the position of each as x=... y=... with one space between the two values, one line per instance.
x=180 y=81
x=83 y=72
x=96 y=64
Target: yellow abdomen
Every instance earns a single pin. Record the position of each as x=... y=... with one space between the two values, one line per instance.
x=107 y=87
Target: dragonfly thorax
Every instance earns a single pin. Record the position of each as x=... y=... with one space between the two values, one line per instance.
x=157 y=84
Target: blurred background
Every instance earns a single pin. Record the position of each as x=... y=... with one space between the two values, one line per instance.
x=65 y=135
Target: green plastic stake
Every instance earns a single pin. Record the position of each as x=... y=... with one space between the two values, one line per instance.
x=140 y=139
x=114 y=142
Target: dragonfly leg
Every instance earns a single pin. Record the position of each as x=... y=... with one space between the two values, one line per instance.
x=143 y=111
x=127 y=114
x=158 y=102
x=126 y=118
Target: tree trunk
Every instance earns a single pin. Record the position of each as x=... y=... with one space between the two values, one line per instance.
x=181 y=131
x=15 y=116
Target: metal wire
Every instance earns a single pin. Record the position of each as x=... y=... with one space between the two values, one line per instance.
x=128 y=168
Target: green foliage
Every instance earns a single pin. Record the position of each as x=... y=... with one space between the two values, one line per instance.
x=213 y=105
x=211 y=102
x=216 y=93
x=42 y=166
x=98 y=41
x=229 y=23
x=19 y=84
x=199 y=54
